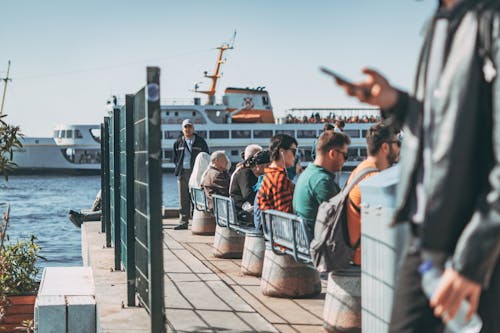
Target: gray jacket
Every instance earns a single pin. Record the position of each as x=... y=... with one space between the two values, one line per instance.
x=462 y=218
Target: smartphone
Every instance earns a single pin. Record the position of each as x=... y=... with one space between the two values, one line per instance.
x=342 y=80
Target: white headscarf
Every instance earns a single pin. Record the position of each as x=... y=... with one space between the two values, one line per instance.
x=201 y=164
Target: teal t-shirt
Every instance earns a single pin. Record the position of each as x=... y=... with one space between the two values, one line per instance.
x=315 y=185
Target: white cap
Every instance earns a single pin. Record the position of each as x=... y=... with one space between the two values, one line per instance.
x=187 y=122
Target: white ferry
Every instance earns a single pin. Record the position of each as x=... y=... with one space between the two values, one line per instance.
x=243 y=116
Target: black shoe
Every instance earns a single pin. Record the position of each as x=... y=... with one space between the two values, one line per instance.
x=182 y=226
x=76 y=218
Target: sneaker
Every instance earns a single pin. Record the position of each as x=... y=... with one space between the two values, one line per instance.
x=182 y=226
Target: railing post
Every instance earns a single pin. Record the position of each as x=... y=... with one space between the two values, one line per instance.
x=115 y=185
x=106 y=189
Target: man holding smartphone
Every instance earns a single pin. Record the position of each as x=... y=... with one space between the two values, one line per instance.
x=450 y=166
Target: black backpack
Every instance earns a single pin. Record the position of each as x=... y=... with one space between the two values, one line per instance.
x=330 y=249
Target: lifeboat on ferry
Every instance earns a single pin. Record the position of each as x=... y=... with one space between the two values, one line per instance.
x=249 y=105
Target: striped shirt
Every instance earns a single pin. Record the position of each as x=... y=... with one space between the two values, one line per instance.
x=276 y=191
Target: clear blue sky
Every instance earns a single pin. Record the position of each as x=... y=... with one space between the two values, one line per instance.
x=69 y=57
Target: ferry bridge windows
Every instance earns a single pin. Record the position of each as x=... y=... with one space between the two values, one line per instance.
x=262 y=134
x=352 y=133
x=265 y=100
x=171 y=135
x=203 y=134
x=69 y=134
x=303 y=134
x=62 y=134
x=78 y=134
x=219 y=134
x=288 y=132
x=240 y=134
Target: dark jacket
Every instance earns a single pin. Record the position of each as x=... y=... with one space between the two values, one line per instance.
x=199 y=145
x=215 y=182
x=462 y=218
x=241 y=187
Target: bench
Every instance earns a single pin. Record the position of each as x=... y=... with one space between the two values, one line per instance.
x=287 y=269
x=203 y=218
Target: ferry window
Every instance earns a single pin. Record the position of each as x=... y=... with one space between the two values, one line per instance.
x=363 y=133
x=78 y=134
x=244 y=134
x=235 y=152
x=176 y=113
x=203 y=134
x=363 y=152
x=168 y=113
x=307 y=155
x=172 y=134
x=69 y=134
x=62 y=134
x=219 y=134
x=352 y=133
x=262 y=134
x=306 y=133
x=194 y=113
x=167 y=155
x=353 y=154
x=265 y=100
x=289 y=132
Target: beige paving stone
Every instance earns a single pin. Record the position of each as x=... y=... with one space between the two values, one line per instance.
x=286 y=308
x=183 y=277
x=224 y=321
x=192 y=262
x=201 y=296
x=257 y=322
x=187 y=321
x=309 y=329
x=208 y=277
x=283 y=328
x=174 y=298
x=206 y=250
x=229 y=296
x=172 y=264
x=260 y=307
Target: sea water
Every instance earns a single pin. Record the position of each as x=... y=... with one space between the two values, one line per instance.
x=39 y=206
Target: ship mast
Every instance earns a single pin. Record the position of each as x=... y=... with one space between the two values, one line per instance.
x=216 y=75
x=6 y=80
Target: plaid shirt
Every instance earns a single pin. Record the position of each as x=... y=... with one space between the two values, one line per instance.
x=276 y=191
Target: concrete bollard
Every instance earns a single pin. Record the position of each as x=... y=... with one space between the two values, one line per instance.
x=253 y=254
x=282 y=276
x=203 y=223
x=228 y=244
x=342 y=309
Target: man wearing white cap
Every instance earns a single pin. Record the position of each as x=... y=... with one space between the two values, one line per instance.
x=186 y=148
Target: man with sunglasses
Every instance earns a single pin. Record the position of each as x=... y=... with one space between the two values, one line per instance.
x=317 y=183
x=383 y=151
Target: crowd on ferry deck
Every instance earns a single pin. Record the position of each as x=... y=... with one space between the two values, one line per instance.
x=331 y=118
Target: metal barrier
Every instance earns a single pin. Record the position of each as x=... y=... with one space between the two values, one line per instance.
x=114 y=183
x=287 y=235
x=381 y=249
x=106 y=219
x=127 y=225
x=148 y=193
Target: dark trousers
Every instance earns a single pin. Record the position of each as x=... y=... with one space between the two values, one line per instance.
x=411 y=311
x=184 y=196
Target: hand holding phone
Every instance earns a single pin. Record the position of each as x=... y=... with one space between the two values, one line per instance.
x=345 y=82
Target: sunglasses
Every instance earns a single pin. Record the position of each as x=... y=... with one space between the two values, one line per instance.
x=345 y=154
x=398 y=142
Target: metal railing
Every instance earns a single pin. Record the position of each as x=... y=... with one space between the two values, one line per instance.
x=226 y=215
x=287 y=235
x=199 y=199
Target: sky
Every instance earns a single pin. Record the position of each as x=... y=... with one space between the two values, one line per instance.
x=69 y=57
